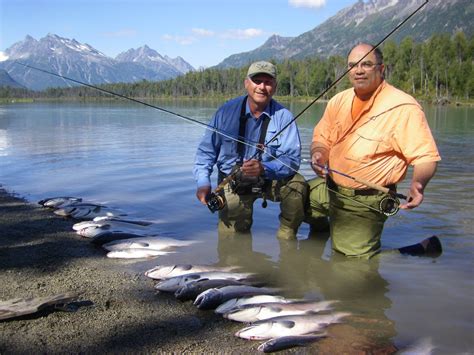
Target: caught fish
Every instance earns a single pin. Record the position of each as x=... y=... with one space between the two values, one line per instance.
x=87 y=211
x=174 y=283
x=157 y=243
x=213 y=297
x=55 y=202
x=238 y=302
x=289 y=325
x=253 y=313
x=286 y=342
x=161 y=272
x=111 y=236
x=136 y=253
x=107 y=224
x=192 y=289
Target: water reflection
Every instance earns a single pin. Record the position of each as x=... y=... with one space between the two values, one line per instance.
x=307 y=269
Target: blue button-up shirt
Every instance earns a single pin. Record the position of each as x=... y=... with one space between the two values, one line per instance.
x=217 y=149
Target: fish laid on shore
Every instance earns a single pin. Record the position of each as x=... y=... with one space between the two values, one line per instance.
x=108 y=237
x=234 y=303
x=289 y=326
x=157 y=243
x=254 y=313
x=136 y=253
x=286 y=342
x=192 y=289
x=174 y=283
x=82 y=210
x=103 y=221
x=56 y=202
x=90 y=229
x=213 y=297
x=162 y=272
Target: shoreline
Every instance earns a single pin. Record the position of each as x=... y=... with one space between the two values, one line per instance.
x=118 y=310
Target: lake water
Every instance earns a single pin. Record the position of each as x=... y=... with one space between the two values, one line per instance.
x=140 y=160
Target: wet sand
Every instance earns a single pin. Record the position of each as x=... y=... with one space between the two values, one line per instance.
x=118 y=311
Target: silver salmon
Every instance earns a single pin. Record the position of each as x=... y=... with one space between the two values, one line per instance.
x=161 y=272
x=289 y=325
x=253 y=313
x=213 y=297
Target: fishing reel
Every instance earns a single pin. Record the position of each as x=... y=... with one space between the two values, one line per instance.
x=215 y=202
x=389 y=205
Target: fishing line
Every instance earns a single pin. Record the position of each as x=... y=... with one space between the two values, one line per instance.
x=347 y=71
x=189 y=119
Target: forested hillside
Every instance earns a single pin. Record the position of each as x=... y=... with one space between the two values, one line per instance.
x=437 y=70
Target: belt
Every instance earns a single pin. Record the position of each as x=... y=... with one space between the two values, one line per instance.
x=357 y=192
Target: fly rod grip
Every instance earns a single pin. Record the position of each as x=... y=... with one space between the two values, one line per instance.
x=379 y=188
x=372 y=185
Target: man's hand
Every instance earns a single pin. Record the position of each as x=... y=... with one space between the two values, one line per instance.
x=318 y=163
x=415 y=196
x=202 y=193
x=252 y=167
x=422 y=173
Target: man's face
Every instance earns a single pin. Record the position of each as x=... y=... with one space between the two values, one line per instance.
x=260 y=88
x=367 y=75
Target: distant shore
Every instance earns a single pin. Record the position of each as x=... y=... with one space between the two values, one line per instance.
x=119 y=311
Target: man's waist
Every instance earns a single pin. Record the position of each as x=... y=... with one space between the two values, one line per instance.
x=357 y=192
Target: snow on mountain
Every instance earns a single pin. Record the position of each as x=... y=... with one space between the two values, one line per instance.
x=81 y=61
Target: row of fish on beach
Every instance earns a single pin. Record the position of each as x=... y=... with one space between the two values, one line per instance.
x=108 y=227
x=281 y=322
x=238 y=296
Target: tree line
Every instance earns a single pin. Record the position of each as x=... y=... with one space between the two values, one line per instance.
x=439 y=69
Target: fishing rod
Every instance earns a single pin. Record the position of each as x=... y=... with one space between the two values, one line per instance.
x=189 y=119
x=363 y=181
x=347 y=71
x=216 y=201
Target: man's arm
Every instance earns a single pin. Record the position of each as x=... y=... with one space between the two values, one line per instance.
x=319 y=158
x=422 y=174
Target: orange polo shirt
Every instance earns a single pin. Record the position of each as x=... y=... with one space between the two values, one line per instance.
x=388 y=134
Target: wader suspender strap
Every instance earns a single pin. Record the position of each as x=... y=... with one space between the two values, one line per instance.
x=242 y=124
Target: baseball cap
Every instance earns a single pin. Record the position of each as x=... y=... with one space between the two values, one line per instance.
x=262 y=67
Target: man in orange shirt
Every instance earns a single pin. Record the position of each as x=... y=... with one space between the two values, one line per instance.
x=372 y=132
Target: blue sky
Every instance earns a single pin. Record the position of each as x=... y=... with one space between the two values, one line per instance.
x=203 y=32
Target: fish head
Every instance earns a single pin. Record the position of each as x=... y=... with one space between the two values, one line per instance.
x=260 y=331
x=227 y=306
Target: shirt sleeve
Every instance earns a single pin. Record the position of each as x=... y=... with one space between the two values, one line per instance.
x=413 y=137
x=286 y=149
x=322 y=131
x=206 y=154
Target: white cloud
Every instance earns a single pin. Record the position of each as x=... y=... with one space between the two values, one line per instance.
x=307 y=3
x=183 y=40
x=126 y=32
x=3 y=56
x=242 y=34
x=202 y=32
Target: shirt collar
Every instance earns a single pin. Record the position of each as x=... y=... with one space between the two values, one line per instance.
x=265 y=112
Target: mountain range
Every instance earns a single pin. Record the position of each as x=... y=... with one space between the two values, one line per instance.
x=366 y=21
x=82 y=62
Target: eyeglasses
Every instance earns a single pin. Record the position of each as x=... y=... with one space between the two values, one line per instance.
x=266 y=82
x=364 y=65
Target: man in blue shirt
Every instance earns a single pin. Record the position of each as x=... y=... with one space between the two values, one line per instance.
x=241 y=124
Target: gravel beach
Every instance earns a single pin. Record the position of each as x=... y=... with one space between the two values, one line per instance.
x=117 y=311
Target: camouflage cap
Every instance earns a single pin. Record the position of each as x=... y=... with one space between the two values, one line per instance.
x=262 y=67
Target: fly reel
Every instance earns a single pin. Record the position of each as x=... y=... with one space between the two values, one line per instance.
x=389 y=205
x=215 y=202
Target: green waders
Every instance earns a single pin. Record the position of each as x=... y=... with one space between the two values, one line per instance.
x=355 y=229
x=292 y=194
